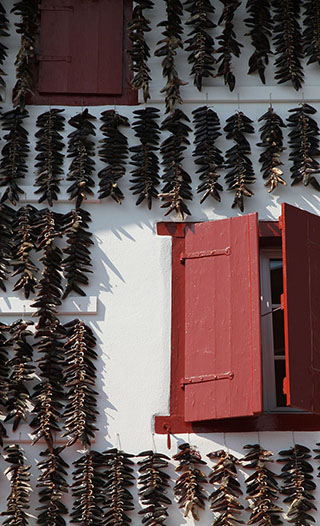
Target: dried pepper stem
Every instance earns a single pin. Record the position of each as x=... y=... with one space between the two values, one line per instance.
x=119 y=476
x=25 y=236
x=271 y=137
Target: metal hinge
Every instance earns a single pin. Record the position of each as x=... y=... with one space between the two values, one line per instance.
x=206 y=254
x=206 y=378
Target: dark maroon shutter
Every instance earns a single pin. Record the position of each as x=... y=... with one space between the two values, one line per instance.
x=301 y=257
x=81 y=46
x=223 y=372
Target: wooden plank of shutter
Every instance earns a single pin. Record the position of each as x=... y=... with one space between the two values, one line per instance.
x=81 y=46
x=222 y=320
x=301 y=269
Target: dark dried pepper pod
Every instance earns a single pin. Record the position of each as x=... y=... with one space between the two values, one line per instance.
x=200 y=43
x=119 y=476
x=317 y=456
x=29 y=12
x=188 y=487
x=298 y=485
x=77 y=262
x=288 y=42
x=22 y=371
x=80 y=412
x=140 y=51
x=7 y=216
x=153 y=482
x=25 y=236
x=259 y=23
x=49 y=159
x=228 y=45
x=177 y=187
x=145 y=176
x=4 y=33
x=239 y=164
x=13 y=165
x=311 y=33
x=304 y=145
x=167 y=49
x=81 y=151
x=262 y=487
x=271 y=138
x=19 y=498
x=4 y=378
x=113 y=152
x=207 y=155
x=88 y=490
x=224 y=500
x=53 y=484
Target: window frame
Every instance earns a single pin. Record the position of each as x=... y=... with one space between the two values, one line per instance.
x=129 y=96
x=269 y=237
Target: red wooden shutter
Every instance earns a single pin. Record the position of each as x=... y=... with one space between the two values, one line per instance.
x=81 y=47
x=222 y=320
x=301 y=264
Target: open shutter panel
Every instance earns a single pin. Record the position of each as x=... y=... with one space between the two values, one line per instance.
x=81 y=47
x=301 y=264
x=223 y=371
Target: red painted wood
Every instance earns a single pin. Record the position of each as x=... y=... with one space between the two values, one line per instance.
x=222 y=329
x=81 y=47
x=301 y=264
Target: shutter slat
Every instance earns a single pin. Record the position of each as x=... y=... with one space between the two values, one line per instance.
x=301 y=267
x=223 y=319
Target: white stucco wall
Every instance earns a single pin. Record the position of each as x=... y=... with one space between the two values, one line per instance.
x=132 y=271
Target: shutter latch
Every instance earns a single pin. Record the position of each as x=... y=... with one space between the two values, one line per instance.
x=206 y=254
x=206 y=378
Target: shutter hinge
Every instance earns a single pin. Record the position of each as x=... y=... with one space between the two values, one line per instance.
x=54 y=58
x=206 y=254
x=206 y=378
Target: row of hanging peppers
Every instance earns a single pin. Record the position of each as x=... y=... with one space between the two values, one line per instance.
x=101 y=483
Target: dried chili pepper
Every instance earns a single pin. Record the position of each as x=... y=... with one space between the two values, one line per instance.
x=19 y=498
x=271 y=137
x=228 y=45
x=4 y=378
x=4 y=33
x=119 y=476
x=311 y=33
x=259 y=23
x=7 y=216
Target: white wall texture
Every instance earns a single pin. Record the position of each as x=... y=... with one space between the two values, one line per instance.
x=132 y=268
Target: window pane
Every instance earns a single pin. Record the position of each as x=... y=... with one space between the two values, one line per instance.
x=276 y=280
x=280 y=373
x=278 y=332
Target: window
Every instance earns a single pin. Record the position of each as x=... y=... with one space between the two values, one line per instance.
x=82 y=58
x=216 y=364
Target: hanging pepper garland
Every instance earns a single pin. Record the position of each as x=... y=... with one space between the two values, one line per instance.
x=271 y=137
x=188 y=487
x=169 y=46
x=177 y=181
x=4 y=33
x=228 y=45
x=24 y=241
x=53 y=484
x=262 y=487
x=88 y=490
x=153 y=481
x=259 y=23
x=241 y=171
x=13 y=165
x=311 y=33
x=200 y=43
x=81 y=151
x=119 y=476
x=224 y=501
x=80 y=412
x=113 y=152
x=140 y=51
x=7 y=216
x=304 y=145
x=207 y=155
x=288 y=42
x=49 y=392
x=22 y=371
x=29 y=11
x=49 y=159
x=77 y=263
x=4 y=378
x=19 y=498
x=298 y=484
x=145 y=176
